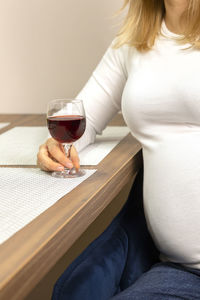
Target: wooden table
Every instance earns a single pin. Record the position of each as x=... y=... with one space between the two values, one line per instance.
x=28 y=255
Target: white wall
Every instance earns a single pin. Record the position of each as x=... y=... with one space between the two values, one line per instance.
x=48 y=49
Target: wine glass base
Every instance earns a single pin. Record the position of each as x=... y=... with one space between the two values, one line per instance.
x=69 y=173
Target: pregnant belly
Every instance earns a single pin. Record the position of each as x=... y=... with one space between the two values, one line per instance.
x=172 y=197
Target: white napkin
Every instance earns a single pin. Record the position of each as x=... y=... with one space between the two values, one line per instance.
x=25 y=193
x=19 y=146
x=2 y=125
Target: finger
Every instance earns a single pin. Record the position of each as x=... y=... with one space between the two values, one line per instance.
x=56 y=152
x=45 y=162
x=43 y=168
x=74 y=157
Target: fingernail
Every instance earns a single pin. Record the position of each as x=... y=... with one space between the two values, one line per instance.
x=69 y=165
x=60 y=168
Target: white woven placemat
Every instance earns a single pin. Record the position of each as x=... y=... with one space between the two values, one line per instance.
x=25 y=193
x=19 y=146
x=94 y=153
x=2 y=125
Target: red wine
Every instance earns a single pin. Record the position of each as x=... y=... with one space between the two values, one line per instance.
x=66 y=129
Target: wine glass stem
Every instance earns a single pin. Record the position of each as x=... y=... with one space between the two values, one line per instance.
x=67 y=148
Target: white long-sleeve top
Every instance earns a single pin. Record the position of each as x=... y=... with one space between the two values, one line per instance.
x=159 y=95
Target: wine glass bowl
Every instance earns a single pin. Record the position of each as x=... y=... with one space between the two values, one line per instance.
x=66 y=123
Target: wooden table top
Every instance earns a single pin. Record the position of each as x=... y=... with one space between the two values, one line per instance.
x=28 y=255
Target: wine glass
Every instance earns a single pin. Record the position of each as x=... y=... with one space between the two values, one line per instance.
x=66 y=123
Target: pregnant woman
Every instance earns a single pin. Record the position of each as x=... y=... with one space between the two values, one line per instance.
x=151 y=72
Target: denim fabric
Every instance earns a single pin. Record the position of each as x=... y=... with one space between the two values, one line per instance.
x=115 y=260
x=164 y=281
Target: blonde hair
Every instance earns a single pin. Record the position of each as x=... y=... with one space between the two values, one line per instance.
x=143 y=23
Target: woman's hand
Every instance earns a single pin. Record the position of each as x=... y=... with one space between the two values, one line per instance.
x=51 y=157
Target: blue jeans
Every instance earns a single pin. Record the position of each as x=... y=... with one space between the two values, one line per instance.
x=123 y=263
x=164 y=281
